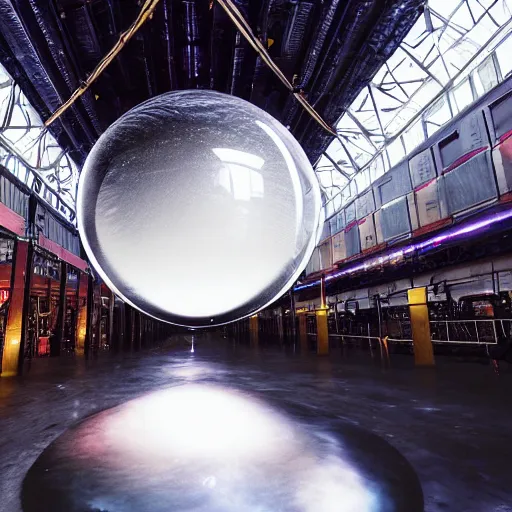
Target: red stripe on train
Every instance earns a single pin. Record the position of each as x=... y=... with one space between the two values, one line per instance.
x=463 y=159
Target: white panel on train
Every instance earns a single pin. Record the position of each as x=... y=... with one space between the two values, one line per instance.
x=395 y=183
x=367 y=233
x=325 y=255
x=365 y=204
x=422 y=168
x=467 y=136
x=428 y=203
x=339 y=251
x=314 y=263
x=340 y=221
x=350 y=213
x=469 y=184
x=464 y=156
x=333 y=224
x=326 y=231
x=394 y=219
x=352 y=241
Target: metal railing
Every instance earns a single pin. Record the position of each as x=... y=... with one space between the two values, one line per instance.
x=474 y=332
x=466 y=332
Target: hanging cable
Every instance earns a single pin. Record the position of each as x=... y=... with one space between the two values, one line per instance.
x=244 y=28
x=145 y=13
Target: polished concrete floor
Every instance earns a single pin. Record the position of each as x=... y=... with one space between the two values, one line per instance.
x=387 y=428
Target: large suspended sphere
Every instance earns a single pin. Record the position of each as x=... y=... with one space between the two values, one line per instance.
x=198 y=208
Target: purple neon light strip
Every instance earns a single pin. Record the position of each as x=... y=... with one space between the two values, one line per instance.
x=434 y=242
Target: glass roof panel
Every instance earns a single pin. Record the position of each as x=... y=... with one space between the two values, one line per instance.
x=455 y=52
x=27 y=149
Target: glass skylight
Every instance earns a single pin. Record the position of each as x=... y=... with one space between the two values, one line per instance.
x=30 y=152
x=456 y=51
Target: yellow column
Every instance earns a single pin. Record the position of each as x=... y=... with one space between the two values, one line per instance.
x=81 y=327
x=423 y=350
x=13 y=333
x=322 y=331
x=254 y=329
x=303 y=330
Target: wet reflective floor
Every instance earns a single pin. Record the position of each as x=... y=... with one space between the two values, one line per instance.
x=233 y=428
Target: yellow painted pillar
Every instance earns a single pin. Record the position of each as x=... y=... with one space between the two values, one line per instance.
x=14 y=343
x=303 y=330
x=322 y=331
x=81 y=331
x=423 y=350
x=254 y=329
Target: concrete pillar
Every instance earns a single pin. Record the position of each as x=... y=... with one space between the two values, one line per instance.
x=420 y=325
x=254 y=329
x=303 y=331
x=81 y=327
x=14 y=342
x=322 y=331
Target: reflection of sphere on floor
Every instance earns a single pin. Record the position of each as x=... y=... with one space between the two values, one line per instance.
x=202 y=448
x=198 y=207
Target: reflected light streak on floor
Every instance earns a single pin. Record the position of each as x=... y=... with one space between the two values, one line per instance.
x=197 y=448
x=231 y=445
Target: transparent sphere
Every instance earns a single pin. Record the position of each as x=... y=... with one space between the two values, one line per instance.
x=198 y=208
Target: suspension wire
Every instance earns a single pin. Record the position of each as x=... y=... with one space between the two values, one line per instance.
x=145 y=13
x=243 y=27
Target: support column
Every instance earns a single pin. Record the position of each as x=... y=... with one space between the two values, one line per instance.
x=303 y=331
x=56 y=339
x=89 y=332
x=254 y=329
x=293 y=318
x=14 y=342
x=137 y=320
x=280 y=325
x=111 y=321
x=121 y=326
x=81 y=327
x=420 y=325
x=129 y=342
x=322 y=329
